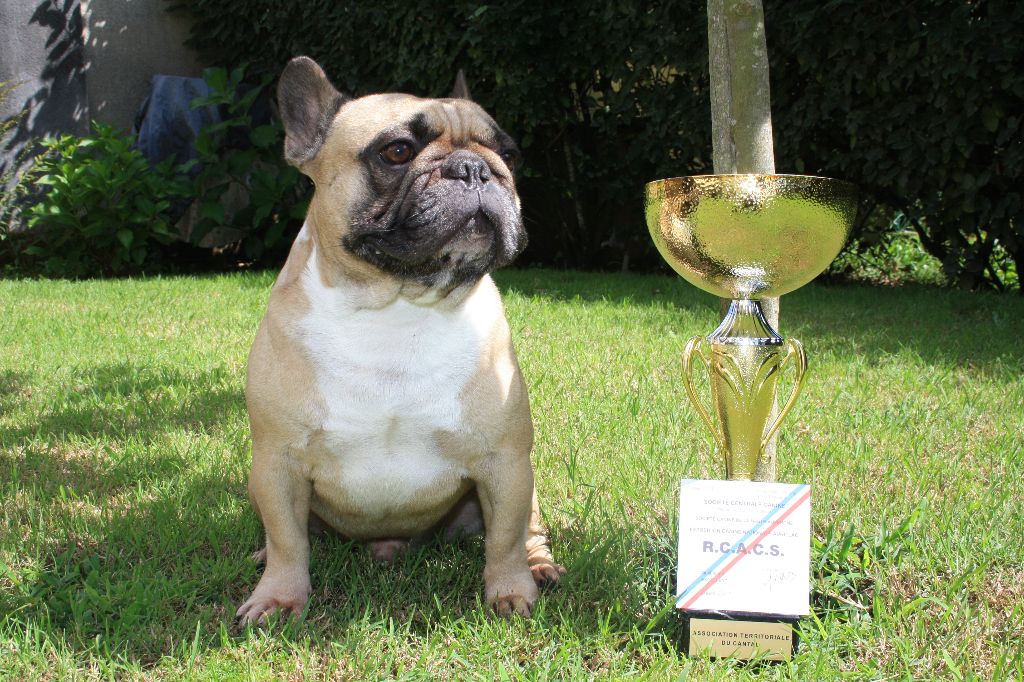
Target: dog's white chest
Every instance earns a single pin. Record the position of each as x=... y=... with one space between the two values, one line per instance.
x=391 y=379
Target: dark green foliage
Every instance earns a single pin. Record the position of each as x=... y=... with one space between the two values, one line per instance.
x=101 y=208
x=242 y=154
x=919 y=103
x=600 y=96
x=894 y=256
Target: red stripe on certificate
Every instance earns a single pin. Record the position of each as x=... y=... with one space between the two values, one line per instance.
x=772 y=526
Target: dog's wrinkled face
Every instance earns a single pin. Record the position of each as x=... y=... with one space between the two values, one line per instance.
x=419 y=189
x=442 y=206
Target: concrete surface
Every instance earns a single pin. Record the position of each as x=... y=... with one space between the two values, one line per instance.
x=83 y=60
x=126 y=43
x=41 y=48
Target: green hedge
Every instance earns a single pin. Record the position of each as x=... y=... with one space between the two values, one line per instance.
x=919 y=103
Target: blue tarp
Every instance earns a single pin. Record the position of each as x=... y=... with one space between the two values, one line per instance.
x=167 y=124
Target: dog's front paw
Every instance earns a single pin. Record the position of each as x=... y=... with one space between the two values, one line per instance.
x=513 y=603
x=272 y=595
x=512 y=594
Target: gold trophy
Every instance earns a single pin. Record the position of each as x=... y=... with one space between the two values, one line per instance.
x=745 y=238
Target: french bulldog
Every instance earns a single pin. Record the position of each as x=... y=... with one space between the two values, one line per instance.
x=384 y=395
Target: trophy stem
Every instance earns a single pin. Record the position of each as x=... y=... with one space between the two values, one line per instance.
x=745 y=324
x=746 y=356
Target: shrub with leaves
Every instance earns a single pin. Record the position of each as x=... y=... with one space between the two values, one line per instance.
x=101 y=208
x=244 y=185
x=921 y=104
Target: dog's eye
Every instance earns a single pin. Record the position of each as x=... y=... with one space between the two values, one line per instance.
x=509 y=156
x=397 y=153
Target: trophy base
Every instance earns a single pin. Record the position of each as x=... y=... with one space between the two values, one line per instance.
x=743 y=573
x=739 y=636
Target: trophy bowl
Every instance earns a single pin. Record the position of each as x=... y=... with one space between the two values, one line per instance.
x=749 y=236
x=745 y=238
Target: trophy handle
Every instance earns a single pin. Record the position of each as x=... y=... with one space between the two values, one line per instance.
x=795 y=350
x=693 y=349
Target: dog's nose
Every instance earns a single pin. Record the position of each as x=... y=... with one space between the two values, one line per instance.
x=466 y=166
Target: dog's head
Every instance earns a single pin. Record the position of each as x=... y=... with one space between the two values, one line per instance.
x=418 y=189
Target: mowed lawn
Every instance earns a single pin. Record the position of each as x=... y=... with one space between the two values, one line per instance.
x=125 y=531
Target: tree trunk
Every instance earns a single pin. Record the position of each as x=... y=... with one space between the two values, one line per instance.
x=741 y=118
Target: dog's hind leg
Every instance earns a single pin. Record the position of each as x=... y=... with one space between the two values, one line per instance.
x=538 y=551
x=387 y=551
x=466 y=518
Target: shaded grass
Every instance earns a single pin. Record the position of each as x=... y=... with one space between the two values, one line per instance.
x=125 y=531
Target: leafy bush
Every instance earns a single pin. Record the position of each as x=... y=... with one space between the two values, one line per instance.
x=918 y=103
x=893 y=258
x=243 y=184
x=101 y=208
x=922 y=104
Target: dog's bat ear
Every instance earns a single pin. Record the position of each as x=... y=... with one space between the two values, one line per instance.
x=460 y=90
x=308 y=103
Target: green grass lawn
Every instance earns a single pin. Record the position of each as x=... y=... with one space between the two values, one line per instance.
x=125 y=531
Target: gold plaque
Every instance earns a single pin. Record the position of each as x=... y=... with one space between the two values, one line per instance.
x=743 y=639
